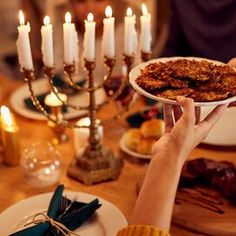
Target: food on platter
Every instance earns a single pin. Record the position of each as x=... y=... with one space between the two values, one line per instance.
x=219 y=175
x=202 y=80
x=142 y=139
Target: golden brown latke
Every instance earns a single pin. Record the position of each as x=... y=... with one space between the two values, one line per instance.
x=201 y=80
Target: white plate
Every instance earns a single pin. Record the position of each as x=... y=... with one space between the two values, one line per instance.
x=107 y=221
x=224 y=131
x=125 y=149
x=135 y=72
x=41 y=86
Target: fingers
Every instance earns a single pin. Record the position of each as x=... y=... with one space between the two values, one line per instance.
x=232 y=104
x=188 y=109
x=177 y=112
x=215 y=114
x=168 y=117
x=232 y=62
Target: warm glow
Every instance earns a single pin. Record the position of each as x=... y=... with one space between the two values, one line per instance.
x=68 y=18
x=90 y=17
x=46 y=20
x=53 y=95
x=21 y=17
x=6 y=116
x=108 y=11
x=129 y=12
x=144 y=9
x=47 y=171
x=84 y=122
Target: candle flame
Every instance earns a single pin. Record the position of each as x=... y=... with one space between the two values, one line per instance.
x=108 y=11
x=68 y=18
x=144 y=9
x=6 y=116
x=90 y=17
x=46 y=20
x=21 y=17
x=129 y=12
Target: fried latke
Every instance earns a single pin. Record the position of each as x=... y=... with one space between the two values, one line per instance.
x=201 y=80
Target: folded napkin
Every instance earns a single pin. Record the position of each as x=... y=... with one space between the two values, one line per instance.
x=136 y=119
x=70 y=214
x=62 y=87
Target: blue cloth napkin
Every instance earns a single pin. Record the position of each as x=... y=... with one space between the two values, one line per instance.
x=62 y=87
x=63 y=210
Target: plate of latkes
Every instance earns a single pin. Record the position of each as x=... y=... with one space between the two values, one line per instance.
x=207 y=82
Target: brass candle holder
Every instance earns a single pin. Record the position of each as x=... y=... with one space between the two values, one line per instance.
x=56 y=112
x=58 y=130
x=98 y=162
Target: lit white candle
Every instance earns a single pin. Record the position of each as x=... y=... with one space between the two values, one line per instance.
x=76 y=49
x=47 y=42
x=68 y=33
x=108 y=34
x=145 y=37
x=81 y=135
x=130 y=42
x=23 y=44
x=53 y=100
x=89 y=38
x=10 y=138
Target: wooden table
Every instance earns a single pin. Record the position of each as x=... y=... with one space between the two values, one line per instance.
x=121 y=192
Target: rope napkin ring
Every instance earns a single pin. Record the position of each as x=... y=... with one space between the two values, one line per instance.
x=46 y=219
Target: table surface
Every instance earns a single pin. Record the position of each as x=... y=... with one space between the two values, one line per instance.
x=121 y=192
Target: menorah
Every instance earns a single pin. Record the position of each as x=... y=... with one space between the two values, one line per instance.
x=98 y=162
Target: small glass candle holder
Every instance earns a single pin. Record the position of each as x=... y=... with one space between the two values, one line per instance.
x=81 y=135
x=41 y=164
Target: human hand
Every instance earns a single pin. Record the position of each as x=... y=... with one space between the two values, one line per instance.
x=183 y=129
x=232 y=62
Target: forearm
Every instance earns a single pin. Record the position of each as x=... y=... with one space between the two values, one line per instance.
x=156 y=198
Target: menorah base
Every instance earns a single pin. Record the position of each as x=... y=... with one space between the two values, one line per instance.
x=95 y=166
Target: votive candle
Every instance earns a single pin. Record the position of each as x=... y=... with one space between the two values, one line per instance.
x=10 y=136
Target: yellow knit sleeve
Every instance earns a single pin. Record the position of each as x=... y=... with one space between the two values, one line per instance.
x=141 y=230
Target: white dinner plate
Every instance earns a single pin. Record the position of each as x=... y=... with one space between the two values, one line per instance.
x=41 y=86
x=130 y=152
x=106 y=222
x=136 y=71
x=224 y=131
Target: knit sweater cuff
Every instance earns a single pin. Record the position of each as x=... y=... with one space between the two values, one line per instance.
x=144 y=230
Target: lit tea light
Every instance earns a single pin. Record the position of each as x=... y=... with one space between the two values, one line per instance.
x=81 y=135
x=10 y=138
x=54 y=100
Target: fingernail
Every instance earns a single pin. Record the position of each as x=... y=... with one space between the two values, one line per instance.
x=180 y=98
